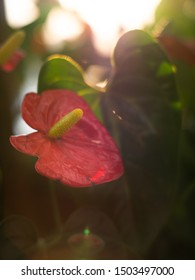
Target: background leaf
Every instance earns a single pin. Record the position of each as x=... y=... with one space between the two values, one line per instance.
x=141 y=110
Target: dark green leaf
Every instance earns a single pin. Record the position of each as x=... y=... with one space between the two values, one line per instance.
x=142 y=113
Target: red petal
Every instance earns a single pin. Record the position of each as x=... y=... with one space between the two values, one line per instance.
x=177 y=49
x=32 y=144
x=79 y=163
x=42 y=111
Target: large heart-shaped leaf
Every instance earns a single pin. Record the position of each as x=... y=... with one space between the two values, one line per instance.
x=141 y=112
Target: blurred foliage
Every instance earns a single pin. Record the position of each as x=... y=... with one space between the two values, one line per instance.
x=177 y=16
x=148 y=106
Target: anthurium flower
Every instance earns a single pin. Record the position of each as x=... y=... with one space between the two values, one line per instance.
x=71 y=144
x=10 y=55
x=13 y=61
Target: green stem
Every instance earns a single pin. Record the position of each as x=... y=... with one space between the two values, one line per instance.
x=55 y=207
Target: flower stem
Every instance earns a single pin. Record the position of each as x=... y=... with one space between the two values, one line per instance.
x=56 y=211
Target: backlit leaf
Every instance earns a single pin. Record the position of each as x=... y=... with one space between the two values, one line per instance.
x=62 y=72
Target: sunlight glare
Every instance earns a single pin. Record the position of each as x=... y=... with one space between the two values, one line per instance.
x=108 y=18
x=21 y=12
x=60 y=26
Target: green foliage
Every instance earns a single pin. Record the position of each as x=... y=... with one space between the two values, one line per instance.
x=142 y=111
x=177 y=21
x=177 y=16
x=63 y=72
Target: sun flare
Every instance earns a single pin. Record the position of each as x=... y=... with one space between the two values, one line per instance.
x=108 y=18
x=21 y=12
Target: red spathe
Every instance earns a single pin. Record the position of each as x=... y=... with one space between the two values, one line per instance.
x=83 y=156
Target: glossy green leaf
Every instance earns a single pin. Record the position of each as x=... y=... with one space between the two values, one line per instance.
x=128 y=44
x=62 y=72
x=137 y=54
